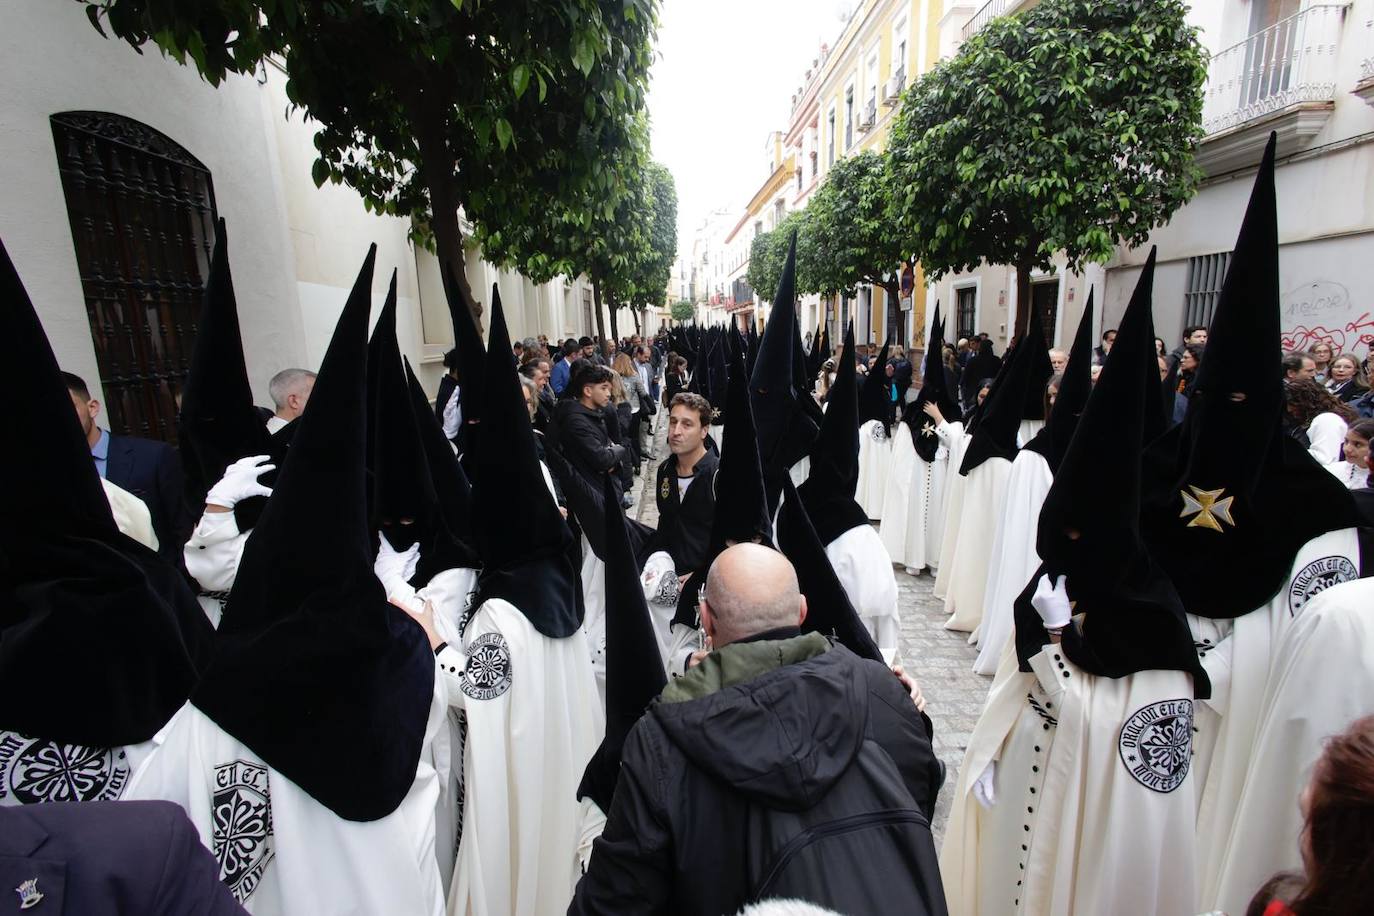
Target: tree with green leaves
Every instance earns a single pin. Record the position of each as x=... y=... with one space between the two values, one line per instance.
x=851 y=229
x=682 y=310
x=768 y=251
x=508 y=110
x=651 y=265
x=1067 y=128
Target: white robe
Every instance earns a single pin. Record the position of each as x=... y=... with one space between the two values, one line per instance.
x=925 y=517
x=1013 y=558
x=1325 y=434
x=212 y=557
x=37 y=770
x=1027 y=430
x=984 y=491
x=898 y=494
x=282 y=852
x=533 y=722
x=593 y=576
x=865 y=570
x=131 y=514
x=1322 y=679
x=1240 y=669
x=875 y=455
x=954 y=504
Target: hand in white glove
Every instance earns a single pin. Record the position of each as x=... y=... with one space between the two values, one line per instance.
x=391 y=563
x=1051 y=602
x=240 y=481
x=985 y=786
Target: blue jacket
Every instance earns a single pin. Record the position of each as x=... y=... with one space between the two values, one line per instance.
x=558 y=378
x=97 y=858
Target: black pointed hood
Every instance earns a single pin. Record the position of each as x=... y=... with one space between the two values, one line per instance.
x=100 y=638
x=934 y=390
x=471 y=361
x=828 y=609
x=404 y=504
x=1052 y=441
x=752 y=355
x=1033 y=403
x=526 y=564
x=828 y=491
x=312 y=665
x=820 y=351
x=802 y=380
x=875 y=402
x=218 y=424
x=1222 y=487
x=381 y=342
x=1129 y=617
x=741 y=512
x=1004 y=409
x=718 y=378
x=450 y=544
x=785 y=429
x=634 y=670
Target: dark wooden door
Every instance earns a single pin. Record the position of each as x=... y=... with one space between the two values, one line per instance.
x=142 y=215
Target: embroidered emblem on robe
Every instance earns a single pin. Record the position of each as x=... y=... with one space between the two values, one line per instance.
x=34 y=770
x=488 y=673
x=1156 y=744
x=241 y=826
x=1208 y=508
x=1316 y=577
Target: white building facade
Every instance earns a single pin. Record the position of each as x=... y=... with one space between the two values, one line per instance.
x=116 y=166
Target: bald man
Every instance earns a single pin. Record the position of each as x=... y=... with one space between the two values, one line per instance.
x=780 y=765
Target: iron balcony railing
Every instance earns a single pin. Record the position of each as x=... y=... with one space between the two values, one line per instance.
x=1291 y=61
x=989 y=11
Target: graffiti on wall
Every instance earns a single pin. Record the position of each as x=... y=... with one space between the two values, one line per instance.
x=1322 y=312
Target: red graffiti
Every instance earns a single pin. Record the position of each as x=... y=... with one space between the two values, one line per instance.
x=1342 y=340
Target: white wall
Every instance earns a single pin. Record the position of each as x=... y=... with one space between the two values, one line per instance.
x=52 y=60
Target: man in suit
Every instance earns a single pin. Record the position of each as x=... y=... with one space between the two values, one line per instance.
x=149 y=470
x=107 y=857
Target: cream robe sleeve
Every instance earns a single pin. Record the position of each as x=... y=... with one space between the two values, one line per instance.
x=131 y=514
x=213 y=553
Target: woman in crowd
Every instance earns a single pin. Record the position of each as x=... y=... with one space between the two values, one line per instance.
x=619 y=418
x=1352 y=469
x=1346 y=379
x=1322 y=354
x=984 y=387
x=1187 y=368
x=636 y=395
x=824 y=380
x=1317 y=419
x=1337 y=840
x=674 y=378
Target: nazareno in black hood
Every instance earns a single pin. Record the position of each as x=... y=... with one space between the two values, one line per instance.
x=1052 y=441
x=828 y=491
x=100 y=638
x=1229 y=498
x=934 y=390
x=994 y=436
x=306 y=606
x=1128 y=616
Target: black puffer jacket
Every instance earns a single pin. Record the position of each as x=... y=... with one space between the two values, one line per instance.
x=788 y=768
x=582 y=435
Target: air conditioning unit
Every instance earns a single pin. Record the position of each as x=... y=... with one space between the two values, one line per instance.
x=893 y=90
x=869 y=115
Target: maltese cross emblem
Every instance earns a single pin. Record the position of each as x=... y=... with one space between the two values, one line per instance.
x=1208 y=508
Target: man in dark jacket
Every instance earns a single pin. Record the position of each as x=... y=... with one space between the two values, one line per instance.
x=780 y=766
x=107 y=857
x=581 y=424
x=146 y=468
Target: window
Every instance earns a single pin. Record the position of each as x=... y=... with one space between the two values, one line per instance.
x=779 y=209
x=849 y=117
x=815 y=164
x=830 y=139
x=966 y=310
x=1045 y=299
x=142 y=213
x=871 y=106
x=1205 y=274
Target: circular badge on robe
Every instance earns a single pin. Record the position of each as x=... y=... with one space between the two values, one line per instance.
x=34 y=770
x=1316 y=577
x=1156 y=744
x=488 y=673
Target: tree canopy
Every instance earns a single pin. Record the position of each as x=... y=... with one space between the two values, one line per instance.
x=1069 y=127
x=768 y=251
x=851 y=227
x=509 y=110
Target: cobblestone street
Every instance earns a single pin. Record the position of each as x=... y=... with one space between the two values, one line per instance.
x=941 y=660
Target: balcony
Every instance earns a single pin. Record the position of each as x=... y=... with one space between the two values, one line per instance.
x=870 y=115
x=892 y=92
x=1365 y=87
x=988 y=12
x=1280 y=79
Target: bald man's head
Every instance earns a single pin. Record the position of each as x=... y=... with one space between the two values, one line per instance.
x=750 y=589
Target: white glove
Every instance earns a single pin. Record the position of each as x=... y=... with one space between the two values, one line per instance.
x=240 y=481
x=1051 y=602
x=392 y=564
x=984 y=787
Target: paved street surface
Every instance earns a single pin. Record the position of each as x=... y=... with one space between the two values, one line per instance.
x=941 y=660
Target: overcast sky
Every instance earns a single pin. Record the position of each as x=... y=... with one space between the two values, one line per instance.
x=724 y=78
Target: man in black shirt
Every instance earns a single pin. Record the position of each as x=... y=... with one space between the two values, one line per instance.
x=685 y=486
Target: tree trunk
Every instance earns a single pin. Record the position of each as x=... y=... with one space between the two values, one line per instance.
x=634 y=313
x=893 y=313
x=1023 y=297
x=612 y=306
x=596 y=303
x=438 y=166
